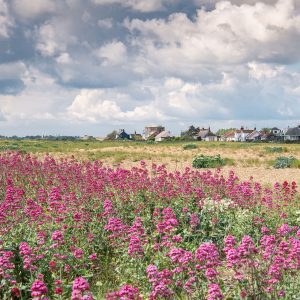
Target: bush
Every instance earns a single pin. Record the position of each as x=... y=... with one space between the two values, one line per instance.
x=275 y=149
x=150 y=142
x=189 y=146
x=206 y=161
x=283 y=162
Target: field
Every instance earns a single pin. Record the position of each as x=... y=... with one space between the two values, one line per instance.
x=247 y=159
x=106 y=220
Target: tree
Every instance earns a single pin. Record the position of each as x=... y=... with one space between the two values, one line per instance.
x=192 y=131
x=112 y=135
x=222 y=131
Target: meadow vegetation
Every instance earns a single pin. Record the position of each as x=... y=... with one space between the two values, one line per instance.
x=80 y=230
x=75 y=223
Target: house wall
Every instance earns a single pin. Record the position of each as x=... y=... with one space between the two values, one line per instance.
x=291 y=138
x=211 y=138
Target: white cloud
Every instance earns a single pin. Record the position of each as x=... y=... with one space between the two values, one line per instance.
x=229 y=34
x=6 y=21
x=113 y=53
x=64 y=58
x=29 y=9
x=53 y=37
x=105 y=23
x=171 y=99
x=236 y=60
x=101 y=105
x=139 y=5
x=41 y=99
x=12 y=70
x=259 y=71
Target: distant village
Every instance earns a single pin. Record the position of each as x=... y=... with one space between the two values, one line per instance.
x=158 y=133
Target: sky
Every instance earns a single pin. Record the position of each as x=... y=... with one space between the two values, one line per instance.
x=76 y=67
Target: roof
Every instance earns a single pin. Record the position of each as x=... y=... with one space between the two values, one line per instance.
x=163 y=134
x=153 y=135
x=244 y=130
x=295 y=131
x=228 y=134
x=204 y=133
x=154 y=126
x=253 y=134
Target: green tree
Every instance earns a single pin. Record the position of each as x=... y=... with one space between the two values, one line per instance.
x=111 y=135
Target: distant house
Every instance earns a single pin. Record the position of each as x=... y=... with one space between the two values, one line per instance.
x=162 y=136
x=136 y=136
x=87 y=137
x=276 y=131
x=206 y=135
x=240 y=135
x=122 y=135
x=292 y=134
x=275 y=134
x=151 y=131
x=254 y=136
x=228 y=136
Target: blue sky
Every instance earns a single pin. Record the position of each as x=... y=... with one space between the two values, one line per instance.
x=80 y=67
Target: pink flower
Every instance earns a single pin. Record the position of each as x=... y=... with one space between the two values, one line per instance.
x=208 y=256
x=214 y=292
x=135 y=247
x=78 y=253
x=211 y=274
x=81 y=289
x=93 y=256
x=126 y=292
x=284 y=229
x=38 y=289
x=57 y=236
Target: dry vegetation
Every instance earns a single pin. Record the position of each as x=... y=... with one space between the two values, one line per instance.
x=246 y=159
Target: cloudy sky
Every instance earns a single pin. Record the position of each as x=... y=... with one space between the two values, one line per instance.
x=75 y=67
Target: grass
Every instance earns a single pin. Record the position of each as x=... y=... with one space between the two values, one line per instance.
x=238 y=154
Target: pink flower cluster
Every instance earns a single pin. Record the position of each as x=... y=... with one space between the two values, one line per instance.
x=81 y=290
x=126 y=292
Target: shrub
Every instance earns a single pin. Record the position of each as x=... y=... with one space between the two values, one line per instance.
x=150 y=142
x=189 y=146
x=283 y=162
x=206 y=161
x=275 y=149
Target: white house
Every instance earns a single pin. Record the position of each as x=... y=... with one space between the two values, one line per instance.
x=253 y=136
x=228 y=136
x=292 y=134
x=162 y=136
x=206 y=135
x=240 y=135
x=152 y=130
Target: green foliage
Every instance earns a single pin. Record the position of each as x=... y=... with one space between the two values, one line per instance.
x=283 y=162
x=206 y=161
x=296 y=164
x=150 y=142
x=229 y=161
x=275 y=149
x=224 y=130
x=189 y=146
x=190 y=132
x=112 y=135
